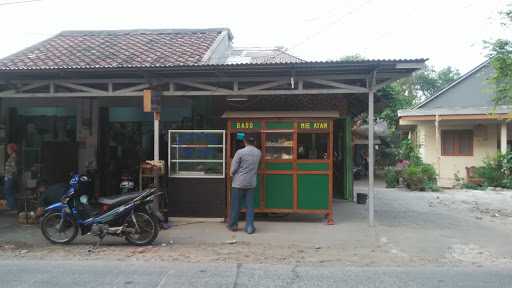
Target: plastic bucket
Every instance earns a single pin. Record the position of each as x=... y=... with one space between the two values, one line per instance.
x=361 y=198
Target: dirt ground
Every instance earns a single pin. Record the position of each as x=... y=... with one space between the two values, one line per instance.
x=413 y=228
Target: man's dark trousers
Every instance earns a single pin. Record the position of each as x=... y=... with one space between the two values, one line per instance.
x=242 y=195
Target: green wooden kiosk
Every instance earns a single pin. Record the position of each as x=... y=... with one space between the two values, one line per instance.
x=296 y=169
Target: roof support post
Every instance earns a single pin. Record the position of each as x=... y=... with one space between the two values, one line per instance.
x=371 y=148
x=503 y=138
x=438 y=148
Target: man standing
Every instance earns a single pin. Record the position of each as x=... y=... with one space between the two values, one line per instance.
x=10 y=174
x=244 y=171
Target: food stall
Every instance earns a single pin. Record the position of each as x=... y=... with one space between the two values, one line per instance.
x=296 y=169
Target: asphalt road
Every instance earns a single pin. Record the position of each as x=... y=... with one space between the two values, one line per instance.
x=45 y=274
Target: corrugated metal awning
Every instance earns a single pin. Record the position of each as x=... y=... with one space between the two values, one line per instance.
x=281 y=114
x=502 y=109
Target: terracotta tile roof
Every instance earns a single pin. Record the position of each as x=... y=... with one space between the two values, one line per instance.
x=116 y=49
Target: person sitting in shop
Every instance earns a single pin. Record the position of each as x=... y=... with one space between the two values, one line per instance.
x=244 y=171
x=10 y=172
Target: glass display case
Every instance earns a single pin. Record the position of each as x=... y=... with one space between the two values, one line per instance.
x=196 y=153
x=312 y=146
x=279 y=145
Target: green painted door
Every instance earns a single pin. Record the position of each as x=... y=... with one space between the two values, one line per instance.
x=279 y=191
x=343 y=160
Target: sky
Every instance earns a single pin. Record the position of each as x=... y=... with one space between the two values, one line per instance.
x=448 y=32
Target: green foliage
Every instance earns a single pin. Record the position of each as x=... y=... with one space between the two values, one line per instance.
x=409 y=152
x=459 y=181
x=353 y=57
x=405 y=93
x=489 y=173
x=471 y=186
x=432 y=186
x=500 y=52
x=416 y=175
x=391 y=177
x=497 y=171
x=397 y=97
x=506 y=163
x=507 y=183
x=428 y=81
x=420 y=177
x=387 y=154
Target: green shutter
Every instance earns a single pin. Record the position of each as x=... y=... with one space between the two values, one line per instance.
x=278 y=166
x=313 y=166
x=279 y=191
x=313 y=192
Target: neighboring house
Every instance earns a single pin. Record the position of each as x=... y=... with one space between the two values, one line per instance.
x=460 y=126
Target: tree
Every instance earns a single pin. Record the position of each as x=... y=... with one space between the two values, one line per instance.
x=428 y=81
x=398 y=95
x=500 y=52
x=405 y=93
x=353 y=57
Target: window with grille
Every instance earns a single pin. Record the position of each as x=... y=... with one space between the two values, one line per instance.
x=457 y=143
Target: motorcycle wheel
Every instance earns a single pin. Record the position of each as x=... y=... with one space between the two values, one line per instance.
x=147 y=232
x=51 y=231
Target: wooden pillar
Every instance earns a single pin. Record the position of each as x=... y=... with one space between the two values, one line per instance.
x=330 y=215
x=438 y=149
x=503 y=142
x=156 y=140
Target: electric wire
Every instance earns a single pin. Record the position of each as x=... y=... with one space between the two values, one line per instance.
x=18 y=2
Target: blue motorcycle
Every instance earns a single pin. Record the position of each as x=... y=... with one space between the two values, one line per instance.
x=128 y=215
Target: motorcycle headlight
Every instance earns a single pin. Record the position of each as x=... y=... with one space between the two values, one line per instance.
x=84 y=199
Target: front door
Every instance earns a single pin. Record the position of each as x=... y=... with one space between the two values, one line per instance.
x=343 y=159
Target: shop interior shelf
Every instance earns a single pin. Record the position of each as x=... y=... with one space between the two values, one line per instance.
x=197 y=146
x=198 y=160
x=278 y=145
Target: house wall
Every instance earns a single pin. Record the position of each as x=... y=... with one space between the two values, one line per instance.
x=485 y=143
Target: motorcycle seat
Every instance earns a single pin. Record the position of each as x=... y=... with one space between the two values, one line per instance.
x=118 y=199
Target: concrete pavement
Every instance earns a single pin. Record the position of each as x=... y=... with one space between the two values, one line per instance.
x=45 y=274
x=413 y=229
